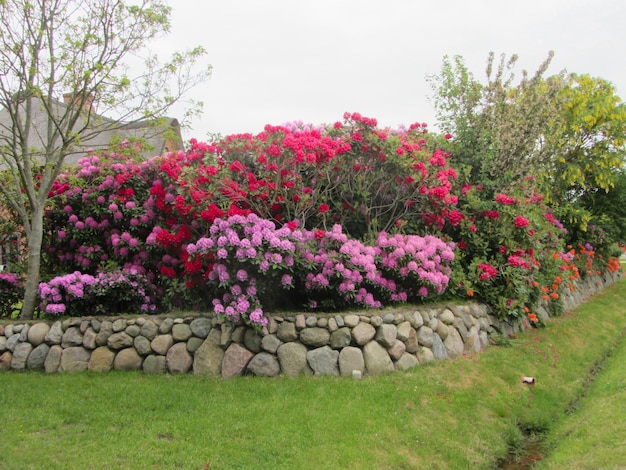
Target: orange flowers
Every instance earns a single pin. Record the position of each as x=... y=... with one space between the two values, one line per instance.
x=533 y=317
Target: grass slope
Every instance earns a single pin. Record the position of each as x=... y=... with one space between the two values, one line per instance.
x=462 y=413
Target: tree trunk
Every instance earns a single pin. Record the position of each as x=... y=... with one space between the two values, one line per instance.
x=31 y=287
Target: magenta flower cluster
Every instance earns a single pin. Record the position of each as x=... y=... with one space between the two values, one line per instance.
x=249 y=260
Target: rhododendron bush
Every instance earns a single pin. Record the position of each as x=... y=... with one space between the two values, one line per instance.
x=322 y=217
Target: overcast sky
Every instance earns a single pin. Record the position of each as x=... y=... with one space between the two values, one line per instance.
x=276 y=61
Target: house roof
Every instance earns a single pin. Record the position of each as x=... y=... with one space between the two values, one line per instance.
x=161 y=135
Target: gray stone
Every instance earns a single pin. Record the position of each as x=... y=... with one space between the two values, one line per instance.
x=166 y=326
x=272 y=326
x=101 y=359
x=74 y=359
x=447 y=316
x=142 y=345
x=426 y=316
x=127 y=359
x=200 y=327
x=315 y=337
x=350 y=360
x=238 y=334
x=271 y=343
x=119 y=341
x=3 y=343
x=53 y=359
x=119 y=325
x=386 y=334
x=264 y=364
x=411 y=343
x=194 y=343
x=311 y=321
x=55 y=335
x=454 y=343
x=178 y=360
x=207 y=359
x=106 y=330
x=322 y=322
x=388 y=318
x=332 y=325
x=226 y=335
x=37 y=333
x=95 y=324
x=20 y=355
x=425 y=336
x=12 y=341
x=18 y=327
x=5 y=360
x=340 y=321
x=287 y=332
x=149 y=330
x=292 y=358
x=442 y=330
x=416 y=320
x=377 y=360
x=37 y=357
x=460 y=327
x=351 y=320
x=132 y=330
x=404 y=331
x=341 y=338
x=472 y=343
x=363 y=333
x=323 y=361
x=433 y=324
x=252 y=341
x=72 y=337
x=235 y=360
x=181 y=332
x=376 y=321
x=154 y=364
x=484 y=340
x=161 y=344
x=406 y=361
x=89 y=339
x=425 y=355
x=439 y=349
x=8 y=330
x=397 y=350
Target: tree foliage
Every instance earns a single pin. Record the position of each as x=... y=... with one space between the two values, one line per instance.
x=51 y=48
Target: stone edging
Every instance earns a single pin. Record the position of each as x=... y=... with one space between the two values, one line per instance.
x=352 y=344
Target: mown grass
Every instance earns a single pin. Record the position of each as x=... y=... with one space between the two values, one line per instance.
x=462 y=413
x=594 y=435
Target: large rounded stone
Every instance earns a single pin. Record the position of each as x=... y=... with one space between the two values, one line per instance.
x=454 y=344
x=377 y=360
x=207 y=360
x=72 y=337
x=363 y=333
x=200 y=327
x=127 y=359
x=154 y=364
x=37 y=357
x=20 y=355
x=74 y=359
x=252 y=340
x=264 y=364
x=106 y=330
x=323 y=361
x=53 y=359
x=37 y=333
x=271 y=343
x=292 y=358
x=178 y=360
x=386 y=334
x=120 y=340
x=55 y=334
x=407 y=361
x=89 y=338
x=142 y=345
x=287 y=332
x=425 y=336
x=340 y=338
x=161 y=344
x=315 y=337
x=149 y=330
x=101 y=359
x=235 y=360
x=5 y=360
x=351 y=359
x=181 y=332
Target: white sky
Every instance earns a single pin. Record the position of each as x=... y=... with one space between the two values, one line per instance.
x=276 y=61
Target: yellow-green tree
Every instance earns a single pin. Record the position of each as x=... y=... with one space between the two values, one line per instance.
x=584 y=147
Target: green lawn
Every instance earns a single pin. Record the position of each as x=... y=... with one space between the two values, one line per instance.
x=463 y=413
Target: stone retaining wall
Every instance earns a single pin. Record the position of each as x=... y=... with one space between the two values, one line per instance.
x=355 y=343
